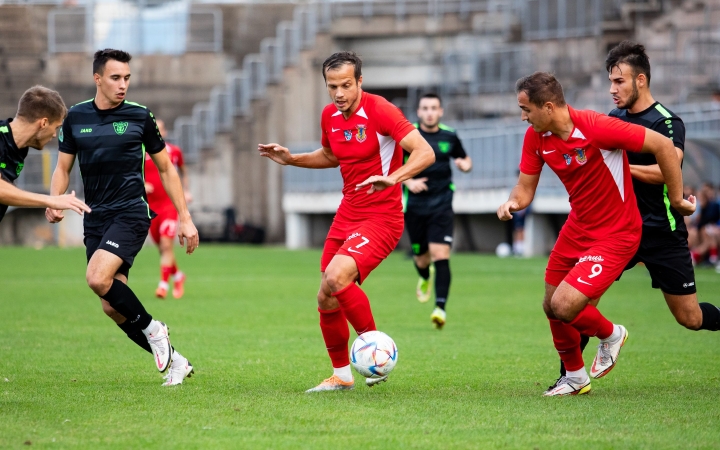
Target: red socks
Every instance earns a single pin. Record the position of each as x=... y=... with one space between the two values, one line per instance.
x=567 y=342
x=356 y=307
x=336 y=334
x=173 y=269
x=591 y=323
x=165 y=272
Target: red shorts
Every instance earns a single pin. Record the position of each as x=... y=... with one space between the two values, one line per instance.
x=368 y=242
x=590 y=265
x=164 y=225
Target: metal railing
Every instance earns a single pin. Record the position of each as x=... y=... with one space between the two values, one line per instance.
x=171 y=28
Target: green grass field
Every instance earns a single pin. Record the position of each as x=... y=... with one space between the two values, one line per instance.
x=248 y=322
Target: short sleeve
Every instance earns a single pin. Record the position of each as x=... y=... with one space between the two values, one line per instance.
x=392 y=122
x=458 y=151
x=323 y=133
x=610 y=133
x=672 y=128
x=151 y=138
x=66 y=138
x=530 y=161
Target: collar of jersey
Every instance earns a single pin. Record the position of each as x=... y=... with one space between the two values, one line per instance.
x=11 y=139
x=643 y=112
x=360 y=106
x=107 y=111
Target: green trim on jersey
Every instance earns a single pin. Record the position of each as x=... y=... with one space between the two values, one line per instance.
x=452 y=187
x=663 y=111
x=136 y=104
x=4 y=130
x=442 y=126
x=143 y=177
x=671 y=218
x=405 y=195
x=86 y=101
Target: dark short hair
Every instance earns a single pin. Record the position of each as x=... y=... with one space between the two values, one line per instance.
x=541 y=87
x=339 y=59
x=103 y=56
x=429 y=95
x=632 y=54
x=40 y=102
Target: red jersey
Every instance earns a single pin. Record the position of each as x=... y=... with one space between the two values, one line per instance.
x=594 y=169
x=367 y=144
x=159 y=199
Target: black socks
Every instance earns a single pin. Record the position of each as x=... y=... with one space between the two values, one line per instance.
x=711 y=317
x=124 y=301
x=442 y=282
x=136 y=335
x=424 y=273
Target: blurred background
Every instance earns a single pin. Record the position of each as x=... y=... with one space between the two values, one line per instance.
x=225 y=75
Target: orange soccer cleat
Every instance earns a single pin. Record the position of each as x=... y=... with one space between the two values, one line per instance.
x=178 y=285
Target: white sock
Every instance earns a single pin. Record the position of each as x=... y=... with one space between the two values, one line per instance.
x=152 y=328
x=177 y=356
x=520 y=248
x=343 y=373
x=615 y=336
x=578 y=375
x=163 y=284
x=178 y=276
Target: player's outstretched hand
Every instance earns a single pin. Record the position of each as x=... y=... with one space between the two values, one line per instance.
x=276 y=152
x=464 y=164
x=187 y=231
x=505 y=210
x=416 y=185
x=58 y=203
x=376 y=183
x=686 y=207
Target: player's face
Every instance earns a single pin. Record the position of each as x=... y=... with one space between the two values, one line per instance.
x=429 y=112
x=537 y=117
x=623 y=86
x=46 y=131
x=114 y=82
x=344 y=90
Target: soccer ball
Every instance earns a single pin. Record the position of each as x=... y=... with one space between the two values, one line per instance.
x=373 y=354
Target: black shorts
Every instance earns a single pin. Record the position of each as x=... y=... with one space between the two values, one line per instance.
x=667 y=258
x=435 y=227
x=121 y=235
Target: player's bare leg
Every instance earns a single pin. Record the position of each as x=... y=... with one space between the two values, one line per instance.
x=423 y=291
x=440 y=255
x=691 y=314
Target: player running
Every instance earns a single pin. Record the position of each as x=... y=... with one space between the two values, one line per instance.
x=663 y=246
x=110 y=136
x=40 y=114
x=364 y=134
x=428 y=206
x=164 y=225
x=602 y=233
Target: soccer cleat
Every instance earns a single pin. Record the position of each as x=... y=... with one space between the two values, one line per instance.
x=180 y=369
x=438 y=317
x=334 y=383
x=178 y=285
x=161 y=291
x=607 y=355
x=424 y=287
x=160 y=346
x=566 y=386
x=370 y=382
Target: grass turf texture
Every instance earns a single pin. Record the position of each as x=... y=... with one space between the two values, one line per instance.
x=70 y=378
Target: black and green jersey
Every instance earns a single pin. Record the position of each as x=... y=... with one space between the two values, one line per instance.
x=12 y=158
x=447 y=147
x=110 y=146
x=652 y=199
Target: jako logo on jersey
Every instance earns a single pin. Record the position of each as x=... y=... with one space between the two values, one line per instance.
x=348 y=134
x=444 y=146
x=112 y=243
x=687 y=285
x=120 y=127
x=568 y=158
x=361 y=135
x=86 y=130
x=581 y=157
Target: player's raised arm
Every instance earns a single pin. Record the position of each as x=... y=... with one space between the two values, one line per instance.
x=666 y=155
x=321 y=158
x=520 y=197
x=173 y=186
x=421 y=157
x=13 y=196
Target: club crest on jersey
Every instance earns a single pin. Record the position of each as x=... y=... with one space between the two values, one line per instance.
x=348 y=134
x=61 y=135
x=120 y=127
x=580 y=156
x=361 y=135
x=568 y=158
x=444 y=146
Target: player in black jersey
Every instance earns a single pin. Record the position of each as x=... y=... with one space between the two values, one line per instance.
x=109 y=136
x=663 y=246
x=428 y=206
x=39 y=116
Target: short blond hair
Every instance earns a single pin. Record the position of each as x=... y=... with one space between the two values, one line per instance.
x=40 y=102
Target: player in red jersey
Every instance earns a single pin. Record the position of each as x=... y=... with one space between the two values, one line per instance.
x=602 y=233
x=365 y=135
x=163 y=227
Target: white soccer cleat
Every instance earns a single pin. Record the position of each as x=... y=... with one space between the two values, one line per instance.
x=160 y=345
x=334 y=383
x=566 y=386
x=607 y=355
x=180 y=368
x=373 y=381
x=438 y=317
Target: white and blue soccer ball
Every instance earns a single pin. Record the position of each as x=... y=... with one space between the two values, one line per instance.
x=373 y=354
